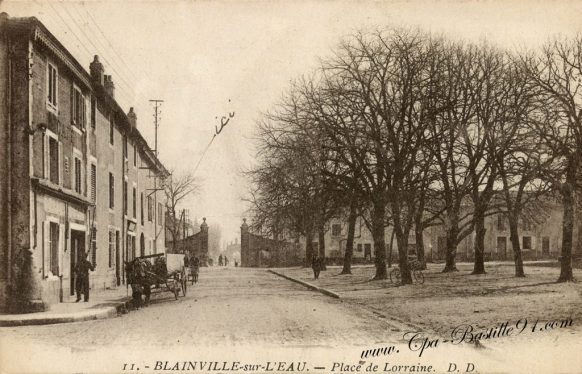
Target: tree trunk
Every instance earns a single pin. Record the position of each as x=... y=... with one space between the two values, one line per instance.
x=308 y=247
x=350 y=241
x=568 y=195
x=378 y=235
x=419 y=233
x=402 y=240
x=390 y=249
x=514 y=237
x=321 y=244
x=450 y=263
x=479 y=267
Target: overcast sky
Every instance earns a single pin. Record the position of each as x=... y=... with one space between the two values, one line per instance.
x=198 y=55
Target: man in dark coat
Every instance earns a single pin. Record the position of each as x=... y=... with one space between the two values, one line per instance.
x=316 y=266
x=82 y=282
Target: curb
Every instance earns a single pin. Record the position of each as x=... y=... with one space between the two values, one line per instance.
x=308 y=285
x=14 y=320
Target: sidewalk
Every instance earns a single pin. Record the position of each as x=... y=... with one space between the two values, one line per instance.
x=102 y=304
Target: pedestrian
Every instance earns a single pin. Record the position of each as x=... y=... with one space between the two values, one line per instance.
x=195 y=268
x=220 y=260
x=82 y=272
x=316 y=266
x=225 y=261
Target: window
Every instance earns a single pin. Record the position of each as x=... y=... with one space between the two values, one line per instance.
x=359 y=247
x=150 y=208
x=53 y=160
x=93 y=114
x=78 y=108
x=134 y=202
x=134 y=155
x=111 y=130
x=160 y=214
x=93 y=182
x=141 y=207
x=125 y=147
x=336 y=229
x=526 y=242
x=78 y=174
x=54 y=248
x=111 y=247
x=125 y=197
x=500 y=222
x=111 y=191
x=52 y=82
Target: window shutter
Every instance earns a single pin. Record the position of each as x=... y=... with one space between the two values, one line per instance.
x=73 y=106
x=46 y=252
x=46 y=156
x=61 y=248
x=60 y=164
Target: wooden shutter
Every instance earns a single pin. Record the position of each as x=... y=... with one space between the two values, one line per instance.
x=61 y=248
x=46 y=248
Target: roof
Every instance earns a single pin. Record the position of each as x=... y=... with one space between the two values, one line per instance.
x=32 y=29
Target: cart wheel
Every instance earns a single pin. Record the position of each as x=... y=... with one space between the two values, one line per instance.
x=419 y=276
x=395 y=276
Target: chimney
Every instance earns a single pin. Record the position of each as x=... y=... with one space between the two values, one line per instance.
x=132 y=117
x=109 y=86
x=96 y=69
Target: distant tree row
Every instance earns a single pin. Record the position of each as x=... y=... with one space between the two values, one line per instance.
x=407 y=130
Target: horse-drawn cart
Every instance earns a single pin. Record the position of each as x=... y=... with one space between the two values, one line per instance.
x=167 y=271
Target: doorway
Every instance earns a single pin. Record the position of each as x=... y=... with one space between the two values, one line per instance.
x=502 y=247
x=77 y=251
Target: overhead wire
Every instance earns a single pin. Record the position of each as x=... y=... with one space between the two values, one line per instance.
x=122 y=81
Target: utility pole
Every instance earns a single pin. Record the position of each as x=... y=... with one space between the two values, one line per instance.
x=157 y=112
x=157 y=119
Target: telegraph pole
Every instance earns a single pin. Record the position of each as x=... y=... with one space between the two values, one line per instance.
x=157 y=105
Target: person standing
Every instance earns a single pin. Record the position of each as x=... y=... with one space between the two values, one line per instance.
x=195 y=268
x=316 y=266
x=82 y=273
x=220 y=260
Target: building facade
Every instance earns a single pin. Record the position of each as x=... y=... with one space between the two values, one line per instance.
x=77 y=177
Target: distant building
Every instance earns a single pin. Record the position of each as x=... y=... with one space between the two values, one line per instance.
x=76 y=175
x=195 y=245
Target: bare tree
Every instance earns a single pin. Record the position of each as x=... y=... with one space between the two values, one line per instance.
x=177 y=187
x=556 y=73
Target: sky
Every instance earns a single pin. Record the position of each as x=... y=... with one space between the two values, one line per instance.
x=206 y=59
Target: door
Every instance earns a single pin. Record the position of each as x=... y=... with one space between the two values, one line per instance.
x=77 y=251
x=502 y=247
x=117 y=260
x=546 y=245
x=368 y=251
x=141 y=245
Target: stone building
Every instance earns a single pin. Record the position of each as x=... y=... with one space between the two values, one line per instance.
x=540 y=238
x=76 y=175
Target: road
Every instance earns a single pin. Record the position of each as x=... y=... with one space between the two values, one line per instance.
x=229 y=306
